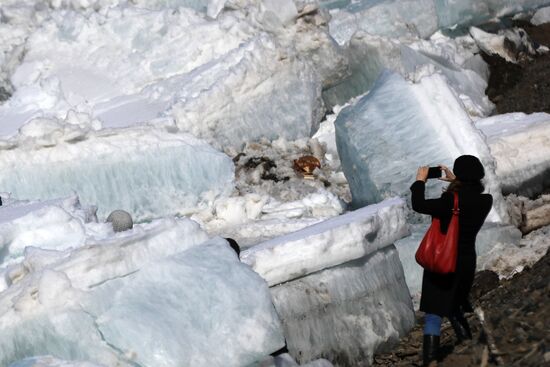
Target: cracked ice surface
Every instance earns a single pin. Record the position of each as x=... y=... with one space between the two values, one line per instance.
x=408 y=18
x=348 y=312
x=329 y=243
x=370 y=55
x=245 y=69
x=158 y=295
x=379 y=137
x=49 y=361
x=149 y=173
x=512 y=138
x=56 y=224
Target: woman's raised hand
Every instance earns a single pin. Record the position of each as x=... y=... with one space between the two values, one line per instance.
x=449 y=175
x=422 y=173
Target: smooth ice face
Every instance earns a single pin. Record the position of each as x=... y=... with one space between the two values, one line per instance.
x=156 y=295
x=54 y=224
x=286 y=360
x=49 y=361
x=418 y=18
x=348 y=312
x=231 y=308
x=329 y=243
x=542 y=16
x=385 y=18
x=371 y=55
x=450 y=12
x=521 y=168
x=146 y=172
x=398 y=126
x=470 y=12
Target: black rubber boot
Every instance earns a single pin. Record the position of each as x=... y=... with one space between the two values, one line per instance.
x=461 y=327
x=430 y=349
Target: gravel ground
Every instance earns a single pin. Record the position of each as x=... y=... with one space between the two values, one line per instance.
x=515 y=331
x=523 y=87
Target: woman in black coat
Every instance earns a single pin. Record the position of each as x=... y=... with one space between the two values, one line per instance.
x=446 y=295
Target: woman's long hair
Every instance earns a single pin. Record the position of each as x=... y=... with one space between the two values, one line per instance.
x=456 y=185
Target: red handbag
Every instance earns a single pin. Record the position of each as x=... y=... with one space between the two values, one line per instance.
x=438 y=251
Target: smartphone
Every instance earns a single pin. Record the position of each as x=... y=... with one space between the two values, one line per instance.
x=435 y=172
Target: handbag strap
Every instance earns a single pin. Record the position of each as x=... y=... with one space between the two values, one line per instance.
x=456 y=210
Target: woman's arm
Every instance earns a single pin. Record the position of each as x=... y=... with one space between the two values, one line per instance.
x=435 y=207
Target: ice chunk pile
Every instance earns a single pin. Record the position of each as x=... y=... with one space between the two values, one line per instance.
x=418 y=18
x=385 y=18
x=55 y=224
x=398 y=126
x=348 y=312
x=468 y=12
x=156 y=295
x=370 y=55
x=329 y=243
x=49 y=361
x=541 y=16
x=520 y=144
x=508 y=260
x=246 y=69
x=148 y=173
x=510 y=44
x=339 y=287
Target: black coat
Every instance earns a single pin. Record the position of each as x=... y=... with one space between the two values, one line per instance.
x=444 y=294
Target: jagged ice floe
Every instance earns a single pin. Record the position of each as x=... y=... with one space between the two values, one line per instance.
x=130 y=104
x=114 y=301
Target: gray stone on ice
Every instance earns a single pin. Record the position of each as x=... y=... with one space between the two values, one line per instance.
x=121 y=220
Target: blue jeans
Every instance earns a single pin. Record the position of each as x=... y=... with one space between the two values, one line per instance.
x=432 y=324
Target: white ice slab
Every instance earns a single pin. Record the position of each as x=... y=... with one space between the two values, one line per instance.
x=241 y=77
x=54 y=224
x=520 y=144
x=329 y=243
x=398 y=126
x=370 y=55
x=49 y=361
x=148 y=172
x=346 y=313
x=541 y=16
x=470 y=12
x=385 y=18
x=157 y=295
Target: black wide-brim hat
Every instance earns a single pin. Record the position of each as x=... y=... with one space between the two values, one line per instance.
x=468 y=168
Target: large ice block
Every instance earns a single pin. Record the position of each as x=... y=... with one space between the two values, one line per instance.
x=49 y=361
x=398 y=126
x=157 y=295
x=520 y=144
x=541 y=16
x=470 y=12
x=329 y=243
x=238 y=78
x=54 y=224
x=418 y=18
x=389 y=18
x=370 y=55
x=348 y=312
x=147 y=172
